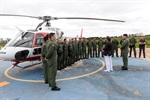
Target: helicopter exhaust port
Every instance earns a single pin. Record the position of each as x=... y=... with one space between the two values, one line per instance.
x=21 y=55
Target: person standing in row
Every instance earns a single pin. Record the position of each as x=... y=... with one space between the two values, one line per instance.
x=121 y=41
x=60 y=55
x=108 y=55
x=70 y=52
x=100 y=46
x=89 y=44
x=43 y=54
x=51 y=58
x=115 y=46
x=124 y=49
x=94 y=44
x=76 y=50
x=80 y=48
x=132 y=46
x=84 y=48
x=65 y=53
x=142 y=44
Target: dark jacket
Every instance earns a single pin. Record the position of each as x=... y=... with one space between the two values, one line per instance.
x=108 y=49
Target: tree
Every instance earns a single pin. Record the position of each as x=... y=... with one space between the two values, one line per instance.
x=7 y=40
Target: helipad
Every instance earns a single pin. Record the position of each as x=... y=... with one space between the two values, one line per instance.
x=85 y=81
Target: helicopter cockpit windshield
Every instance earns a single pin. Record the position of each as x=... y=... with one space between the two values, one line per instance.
x=22 y=40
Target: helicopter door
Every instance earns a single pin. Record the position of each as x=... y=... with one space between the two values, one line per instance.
x=38 y=44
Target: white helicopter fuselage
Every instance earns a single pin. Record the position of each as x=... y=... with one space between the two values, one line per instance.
x=7 y=53
x=26 y=46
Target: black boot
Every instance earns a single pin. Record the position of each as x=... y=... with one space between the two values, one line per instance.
x=124 y=68
x=46 y=82
x=55 y=88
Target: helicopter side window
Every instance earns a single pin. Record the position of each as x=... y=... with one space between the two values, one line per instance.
x=37 y=51
x=39 y=40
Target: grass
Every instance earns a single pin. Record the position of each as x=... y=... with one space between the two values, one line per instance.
x=148 y=41
x=2 y=45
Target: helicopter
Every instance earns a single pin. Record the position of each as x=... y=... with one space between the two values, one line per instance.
x=26 y=45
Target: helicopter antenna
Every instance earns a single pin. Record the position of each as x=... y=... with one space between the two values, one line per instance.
x=19 y=29
x=32 y=25
x=77 y=36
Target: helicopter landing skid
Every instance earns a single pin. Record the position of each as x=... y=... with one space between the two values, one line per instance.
x=16 y=65
x=30 y=66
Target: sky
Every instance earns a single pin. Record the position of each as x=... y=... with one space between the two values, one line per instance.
x=135 y=13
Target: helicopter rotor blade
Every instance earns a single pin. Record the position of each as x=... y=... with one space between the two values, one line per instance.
x=48 y=18
x=20 y=16
x=87 y=19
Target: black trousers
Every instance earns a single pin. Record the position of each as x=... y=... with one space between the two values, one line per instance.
x=142 y=48
x=134 y=49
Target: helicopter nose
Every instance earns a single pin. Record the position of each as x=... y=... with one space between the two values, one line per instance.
x=14 y=53
x=1 y=54
x=21 y=55
x=4 y=54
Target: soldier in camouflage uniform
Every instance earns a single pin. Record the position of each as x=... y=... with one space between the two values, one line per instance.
x=94 y=44
x=84 y=48
x=121 y=41
x=132 y=46
x=80 y=48
x=76 y=50
x=124 y=48
x=60 y=55
x=65 y=53
x=43 y=54
x=70 y=52
x=51 y=58
x=100 y=46
x=73 y=51
x=115 y=46
x=89 y=44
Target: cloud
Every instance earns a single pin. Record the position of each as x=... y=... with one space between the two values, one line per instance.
x=134 y=12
